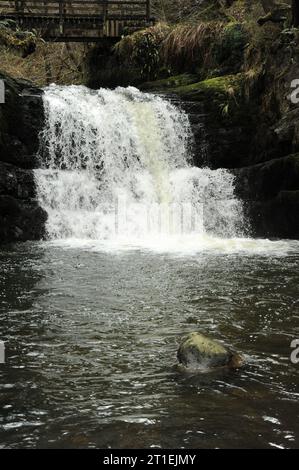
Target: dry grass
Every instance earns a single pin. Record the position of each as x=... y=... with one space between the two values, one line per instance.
x=175 y=11
x=189 y=43
x=59 y=63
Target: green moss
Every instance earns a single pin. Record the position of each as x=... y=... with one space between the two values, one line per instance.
x=186 y=86
x=200 y=352
x=204 y=345
x=222 y=96
x=197 y=350
x=171 y=82
x=218 y=86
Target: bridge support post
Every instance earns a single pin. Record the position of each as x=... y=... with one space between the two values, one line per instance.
x=19 y=7
x=105 y=18
x=148 y=10
x=61 y=17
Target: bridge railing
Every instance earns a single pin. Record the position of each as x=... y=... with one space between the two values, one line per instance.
x=104 y=9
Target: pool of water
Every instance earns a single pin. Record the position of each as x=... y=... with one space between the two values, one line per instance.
x=91 y=337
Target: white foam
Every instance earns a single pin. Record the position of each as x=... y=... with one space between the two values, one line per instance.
x=186 y=245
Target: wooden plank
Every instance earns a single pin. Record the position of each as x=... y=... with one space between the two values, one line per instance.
x=107 y=17
x=43 y=3
x=74 y=17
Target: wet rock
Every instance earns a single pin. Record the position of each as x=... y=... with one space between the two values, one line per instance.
x=218 y=105
x=197 y=351
x=21 y=120
x=271 y=192
x=16 y=181
x=21 y=220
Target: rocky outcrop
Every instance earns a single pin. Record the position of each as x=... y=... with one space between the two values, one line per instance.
x=271 y=194
x=269 y=181
x=218 y=106
x=21 y=119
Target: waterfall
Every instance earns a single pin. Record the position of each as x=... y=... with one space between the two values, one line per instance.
x=117 y=165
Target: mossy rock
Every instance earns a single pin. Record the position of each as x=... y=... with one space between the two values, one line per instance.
x=170 y=82
x=216 y=88
x=21 y=119
x=230 y=118
x=223 y=95
x=198 y=351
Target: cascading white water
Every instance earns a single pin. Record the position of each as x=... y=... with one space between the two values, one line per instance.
x=116 y=165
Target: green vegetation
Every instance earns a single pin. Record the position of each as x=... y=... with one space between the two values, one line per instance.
x=171 y=82
x=201 y=38
x=223 y=95
x=207 y=42
x=142 y=50
x=23 y=42
x=229 y=86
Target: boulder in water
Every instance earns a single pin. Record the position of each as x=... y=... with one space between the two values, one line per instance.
x=197 y=351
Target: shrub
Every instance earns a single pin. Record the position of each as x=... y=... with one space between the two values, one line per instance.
x=23 y=42
x=229 y=49
x=142 y=50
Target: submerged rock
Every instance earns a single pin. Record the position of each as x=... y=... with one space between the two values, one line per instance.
x=197 y=351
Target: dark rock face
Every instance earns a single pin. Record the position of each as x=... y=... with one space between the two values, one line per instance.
x=270 y=180
x=271 y=192
x=219 y=143
x=223 y=122
x=21 y=120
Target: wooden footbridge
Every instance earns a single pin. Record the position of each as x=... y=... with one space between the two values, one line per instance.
x=78 y=20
